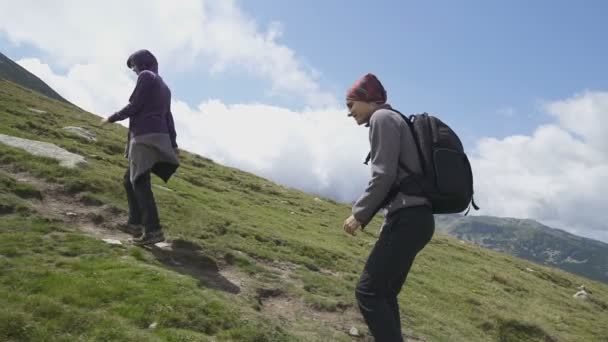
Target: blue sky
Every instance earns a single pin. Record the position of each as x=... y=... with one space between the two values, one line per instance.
x=259 y=85
x=470 y=62
x=463 y=60
x=467 y=61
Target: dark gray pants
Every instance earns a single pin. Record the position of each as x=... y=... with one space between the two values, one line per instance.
x=404 y=234
x=142 y=207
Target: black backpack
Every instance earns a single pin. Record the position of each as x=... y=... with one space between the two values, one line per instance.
x=446 y=179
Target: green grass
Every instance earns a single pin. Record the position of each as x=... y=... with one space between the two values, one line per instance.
x=56 y=284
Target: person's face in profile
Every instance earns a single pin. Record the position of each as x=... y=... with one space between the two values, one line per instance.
x=360 y=111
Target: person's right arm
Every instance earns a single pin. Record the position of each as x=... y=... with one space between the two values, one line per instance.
x=145 y=81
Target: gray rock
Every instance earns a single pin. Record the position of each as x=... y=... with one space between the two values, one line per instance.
x=353 y=332
x=81 y=132
x=37 y=111
x=164 y=245
x=44 y=149
x=582 y=295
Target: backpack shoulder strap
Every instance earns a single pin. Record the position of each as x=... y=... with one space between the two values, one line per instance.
x=368 y=158
x=409 y=123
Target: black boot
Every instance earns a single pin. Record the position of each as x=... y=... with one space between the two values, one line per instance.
x=149 y=238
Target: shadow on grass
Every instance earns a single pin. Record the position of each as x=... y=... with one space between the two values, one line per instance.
x=187 y=258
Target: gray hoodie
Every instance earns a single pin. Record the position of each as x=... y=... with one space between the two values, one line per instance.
x=391 y=142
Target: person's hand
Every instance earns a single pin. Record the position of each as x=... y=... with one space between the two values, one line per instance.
x=103 y=121
x=351 y=225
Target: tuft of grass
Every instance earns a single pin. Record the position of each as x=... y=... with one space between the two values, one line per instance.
x=9 y=185
x=515 y=331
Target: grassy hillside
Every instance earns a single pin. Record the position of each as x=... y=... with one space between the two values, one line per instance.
x=251 y=260
x=12 y=71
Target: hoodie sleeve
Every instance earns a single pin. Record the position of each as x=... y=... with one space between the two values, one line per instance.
x=171 y=126
x=145 y=81
x=384 y=138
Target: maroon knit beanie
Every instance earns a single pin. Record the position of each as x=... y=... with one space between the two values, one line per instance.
x=367 y=89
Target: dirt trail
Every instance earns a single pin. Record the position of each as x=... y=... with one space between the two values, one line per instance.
x=99 y=221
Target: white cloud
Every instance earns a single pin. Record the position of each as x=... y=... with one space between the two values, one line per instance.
x=558 y=175
x=89 y=86
x=189 y=34
x=586 y=115
x=319 y=151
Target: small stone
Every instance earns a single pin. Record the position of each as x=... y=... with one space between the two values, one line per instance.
x=71 y=214
x=153 y=326
x=37 y=111
x=81 y=132
x=529 y=270
x=163 y=245
x=317 y=199
x=354 y=332
x=112 y=241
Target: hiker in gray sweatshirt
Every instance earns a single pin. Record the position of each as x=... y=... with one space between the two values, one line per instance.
x=151 y=143
x=408 y=225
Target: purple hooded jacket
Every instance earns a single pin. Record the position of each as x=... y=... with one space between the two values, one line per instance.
x=149 y=108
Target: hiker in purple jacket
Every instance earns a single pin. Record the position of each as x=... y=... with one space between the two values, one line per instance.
x=151 y=143
x=409 y=223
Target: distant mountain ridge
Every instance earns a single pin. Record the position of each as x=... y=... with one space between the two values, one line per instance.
x=533 y=241
x=15 y=73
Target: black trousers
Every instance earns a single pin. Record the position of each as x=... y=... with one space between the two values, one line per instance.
x=142 y=207
x=404 y=234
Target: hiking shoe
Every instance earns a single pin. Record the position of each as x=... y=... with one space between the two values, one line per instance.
x=130 y=228
x=149 y=238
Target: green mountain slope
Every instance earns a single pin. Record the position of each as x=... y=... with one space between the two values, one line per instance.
x=531 y=240
x=15 y=73
x=251 y=260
